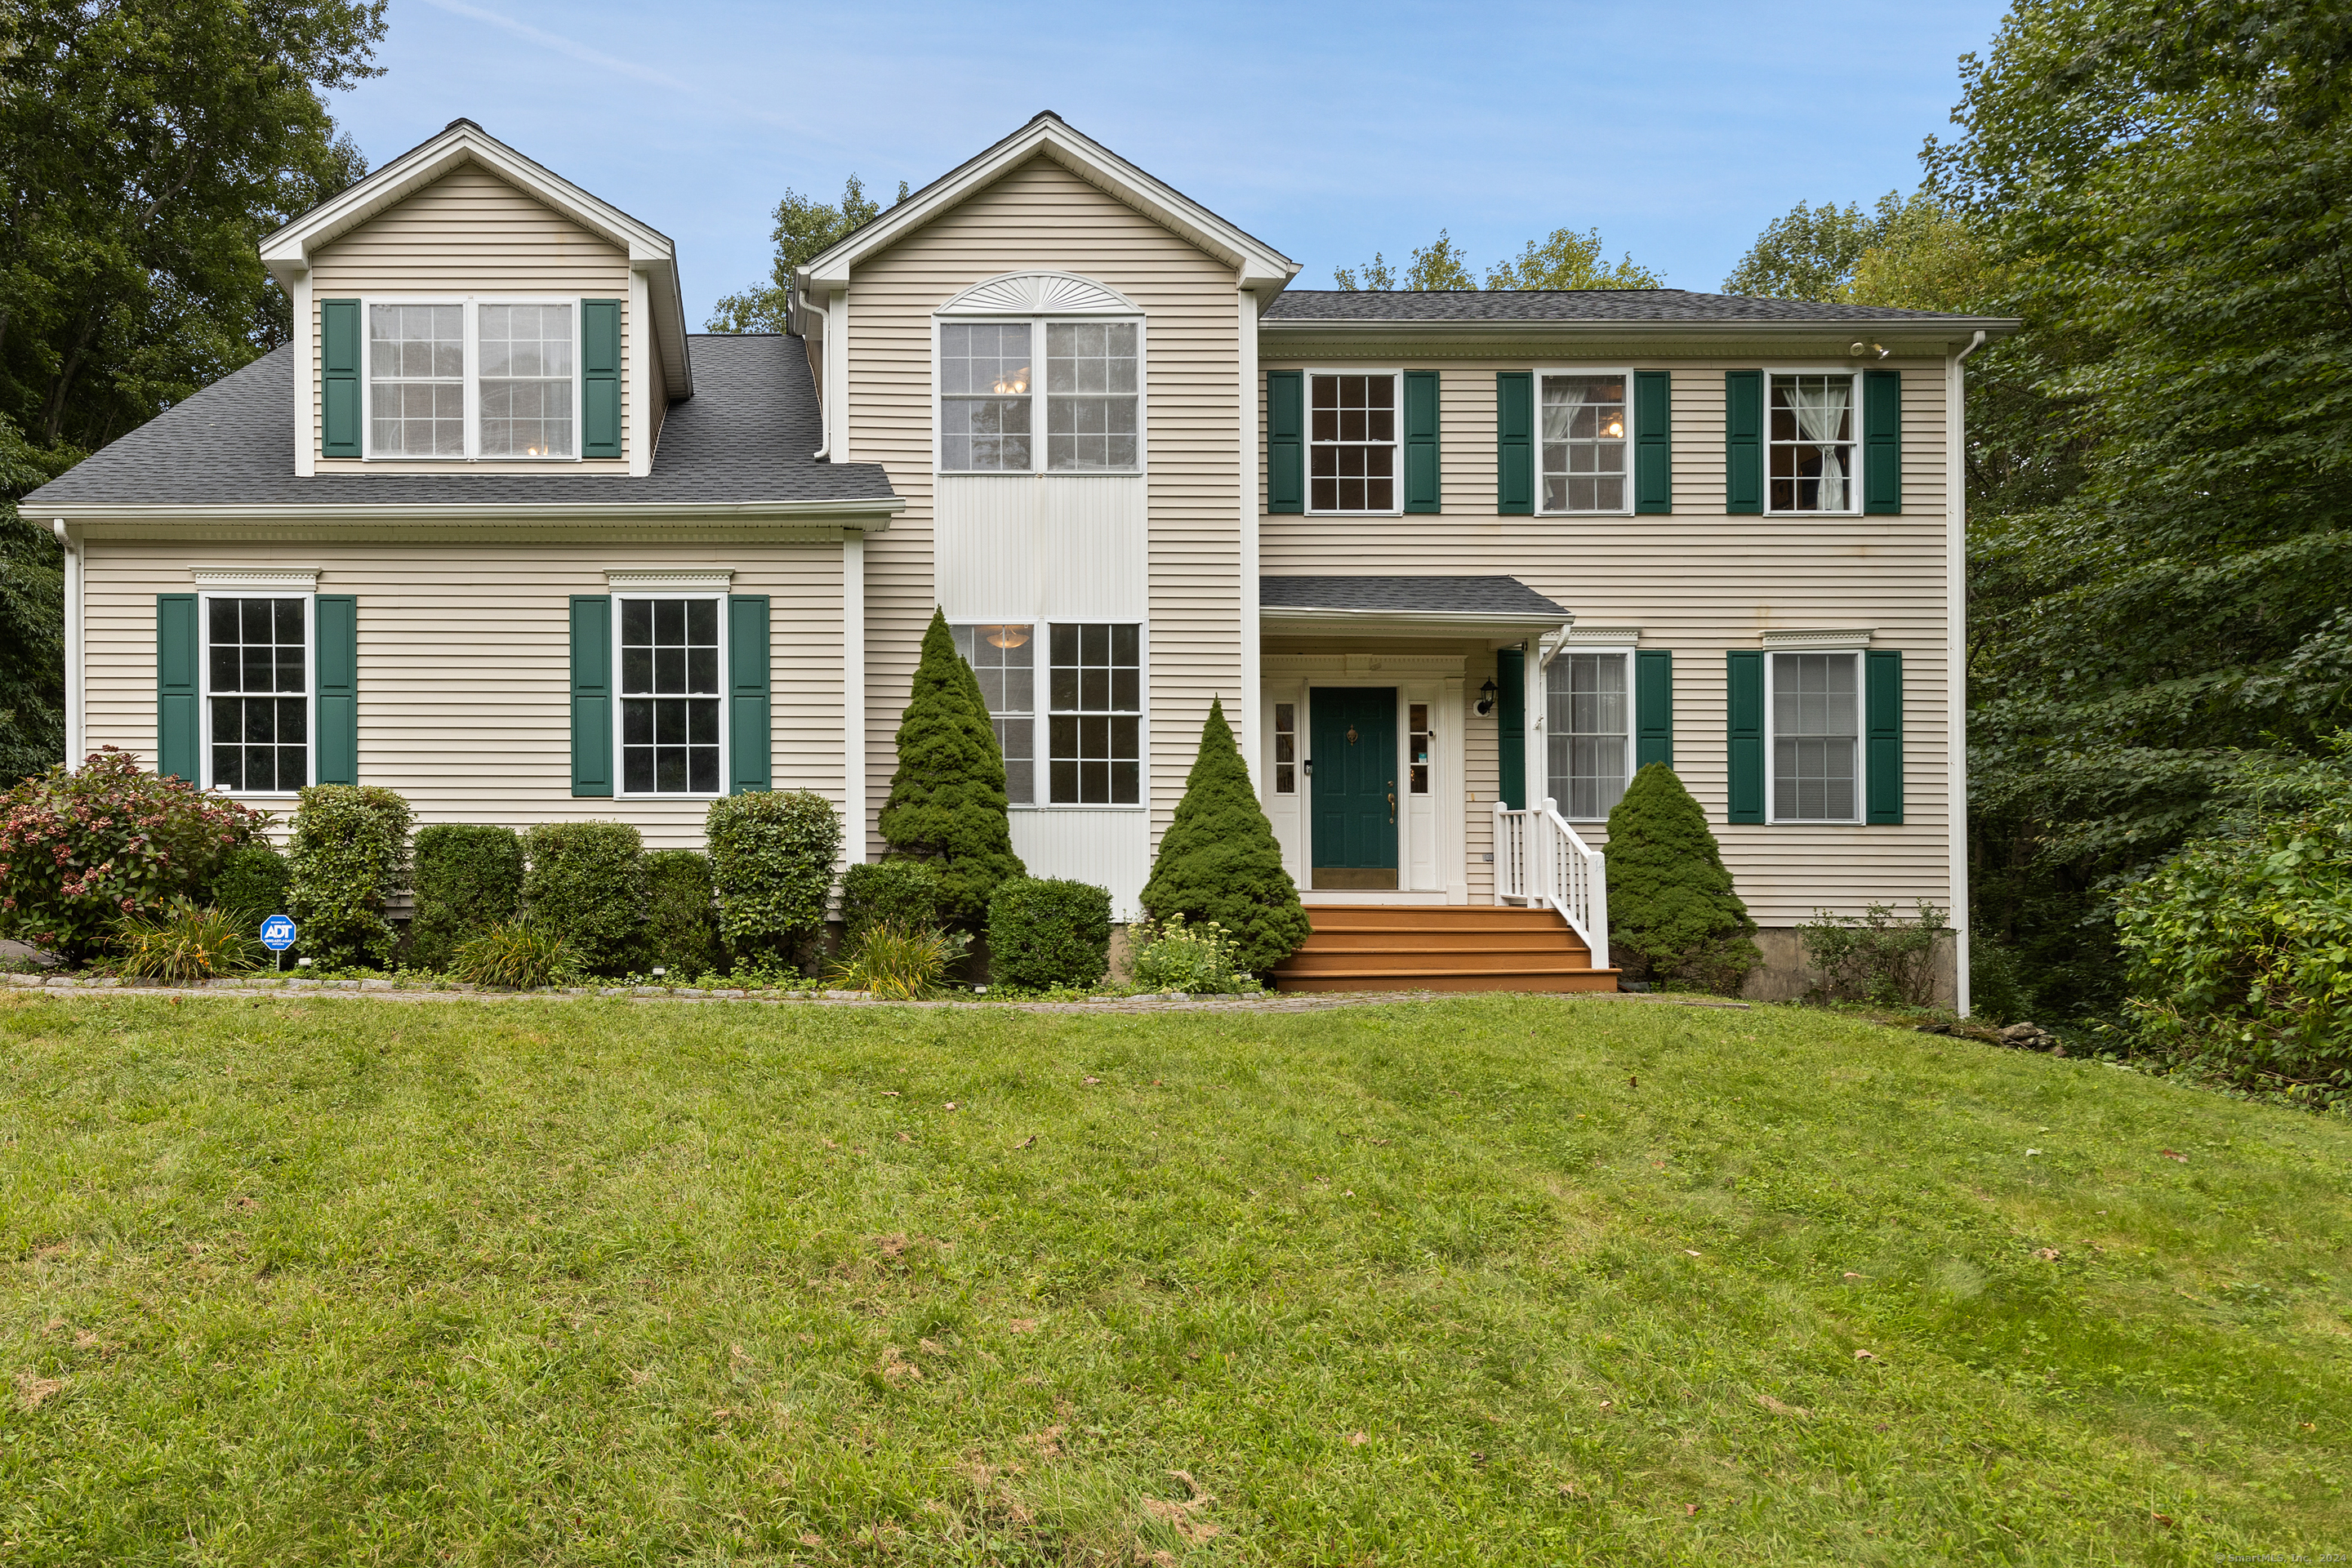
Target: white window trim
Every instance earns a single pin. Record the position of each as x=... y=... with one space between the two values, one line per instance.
x=1041 y=671
x=1036 y=394
x=725 y=739
x=221 y=588
x=1855 y=486
x=1632 y=711
x=471 y=315
x=1860 y=739
x=1306 y=443
x=1542 y=371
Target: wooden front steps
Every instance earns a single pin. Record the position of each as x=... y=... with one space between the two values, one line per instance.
x=1439 y=947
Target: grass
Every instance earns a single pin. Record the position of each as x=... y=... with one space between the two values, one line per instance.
x=1502 y=1280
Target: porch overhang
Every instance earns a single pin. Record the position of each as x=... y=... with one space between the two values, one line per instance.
x=1495 y=609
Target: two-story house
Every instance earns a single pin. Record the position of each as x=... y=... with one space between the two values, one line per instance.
x=495 y=530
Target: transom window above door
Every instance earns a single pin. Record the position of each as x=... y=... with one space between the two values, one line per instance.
x=1351 y=443
x=990 y=393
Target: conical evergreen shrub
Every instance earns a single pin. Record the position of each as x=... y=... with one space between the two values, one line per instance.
x=1673 y=916
x=1218 y=861
x=947 y=799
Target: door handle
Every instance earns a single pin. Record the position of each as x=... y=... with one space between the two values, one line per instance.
x=1392 y=808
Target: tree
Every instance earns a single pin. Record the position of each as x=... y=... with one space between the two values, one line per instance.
x=1810 y=252
x=1438 y=267
x=947 y=804
x=1571 y=260
x=32 y=624
x=805 y=229
x=1218 y=861
x=1673 y=914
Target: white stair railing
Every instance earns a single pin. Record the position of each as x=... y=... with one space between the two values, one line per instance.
x=1539 y=859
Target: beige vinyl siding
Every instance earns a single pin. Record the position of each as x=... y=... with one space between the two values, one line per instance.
x=464 y=661
x=472 y=233
x=1041 y=216
x=1700 y=582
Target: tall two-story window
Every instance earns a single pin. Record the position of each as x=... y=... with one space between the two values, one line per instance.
x=1003 y=658
x=473 y=379
x=1588 y=733
x=670 y=694
x=256 y=686
x=1812 y=444
x=1092 y=391
x=1351 y=443
x=1816 y=736
x=1095 y=715
x=1586 y=424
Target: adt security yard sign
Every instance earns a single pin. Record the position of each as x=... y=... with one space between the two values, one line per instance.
x=277 y=934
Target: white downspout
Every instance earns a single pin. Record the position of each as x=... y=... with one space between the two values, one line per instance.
x=73 y=563
x=1956 y=654
x=853 y=695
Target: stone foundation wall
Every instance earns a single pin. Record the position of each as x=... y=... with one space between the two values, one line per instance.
x=1785 y=976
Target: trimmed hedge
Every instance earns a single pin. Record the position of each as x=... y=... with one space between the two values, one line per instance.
x=681 y=914
x=1049 y=932
x=772 y=857
x=349 y=851
x=469 y=878
x=586 y=885
x=251 y=884
x=904 y=893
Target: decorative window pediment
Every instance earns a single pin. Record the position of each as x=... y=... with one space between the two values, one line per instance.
x=1041 y=294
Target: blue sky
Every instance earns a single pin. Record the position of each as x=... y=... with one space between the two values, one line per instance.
x=1330 y=131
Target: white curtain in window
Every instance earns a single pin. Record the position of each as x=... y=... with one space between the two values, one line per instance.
x=1824 y=407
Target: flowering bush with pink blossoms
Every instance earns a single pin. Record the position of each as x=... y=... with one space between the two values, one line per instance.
x=80 y=850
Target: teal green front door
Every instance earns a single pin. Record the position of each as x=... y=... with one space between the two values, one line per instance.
x=1353 y=764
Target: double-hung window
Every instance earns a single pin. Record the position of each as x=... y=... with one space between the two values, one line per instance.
x=1003 y=658
x=256 y=662
x=1351 y=442
x=473 y=379
x=1095 y=715
x=1092 y=421
x=1814 y=450
x=670 y=657
x=1588 y=731
x=1587 y=427
x=1816 y=711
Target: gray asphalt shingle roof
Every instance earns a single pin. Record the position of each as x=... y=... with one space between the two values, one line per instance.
x=1300 y=305
x=1503 y=596
x=744 y=436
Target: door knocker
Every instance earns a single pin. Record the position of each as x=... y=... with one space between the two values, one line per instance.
x=1351 y=734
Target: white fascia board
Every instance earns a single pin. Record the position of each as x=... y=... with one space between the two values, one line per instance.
x=1259 y=265
x=869 y=515
x=1425 y=623
x=1927 y=336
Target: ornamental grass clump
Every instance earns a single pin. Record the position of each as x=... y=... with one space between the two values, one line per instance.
x=516 y=955
x=903 y=963
x=1048 y=934
x=80 y=850
x=1673 y=916
x=947 y=805
x=586 y=886
x=349 y=855
x=186 y=944
x=771 y=858
x=1219 y=863
x=469 y=878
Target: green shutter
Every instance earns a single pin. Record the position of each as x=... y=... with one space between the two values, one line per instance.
x=1882 y=443
x=1514 y=446
x=1285 y=437
x=747 y=692
x=339 y=378
x=177 y=731
x=1511 y=726
x=1654 y=455
x=1882 y=707
x=1420 y=479
x=1654 y=707
x=591 y=694
x=1743 y=442
x=1744 y=735
x=335 y=666
x=600 y=378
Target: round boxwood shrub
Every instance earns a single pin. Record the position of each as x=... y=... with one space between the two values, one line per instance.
x=1049 y=932
x=903 y=893
x=681 y=914
x=772 y=858
x=1219 y=862
x=586 y=886
x=1673 y=915
x=350 y=852
x=469 y=878
x=947 y=804
x=250 y=884
x=80 y=850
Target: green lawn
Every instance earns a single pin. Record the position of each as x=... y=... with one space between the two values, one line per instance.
x=1502 y=1280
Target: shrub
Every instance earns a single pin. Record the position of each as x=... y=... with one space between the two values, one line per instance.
x=469 y=878
x=947 y=804
x=180 y=944
x=516 y=955
x=1673 y=916
x=681 y=914
x=903 y=963
x=349 y=853
x=906 y=893
x=771 y=855
x=251 y=883
x=586 y=886
x=1047 y=934
x=80 y=850
x=1177 y=955
x=1877 y=956
x=1219 y=862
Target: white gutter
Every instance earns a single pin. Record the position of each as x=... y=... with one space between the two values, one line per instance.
x=73 y=620
x=1939 y=332
x=1435 y=622
x=879 y=507
x=1956 y=655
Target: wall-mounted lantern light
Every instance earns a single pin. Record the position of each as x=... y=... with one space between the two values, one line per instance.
x=1487 y=699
